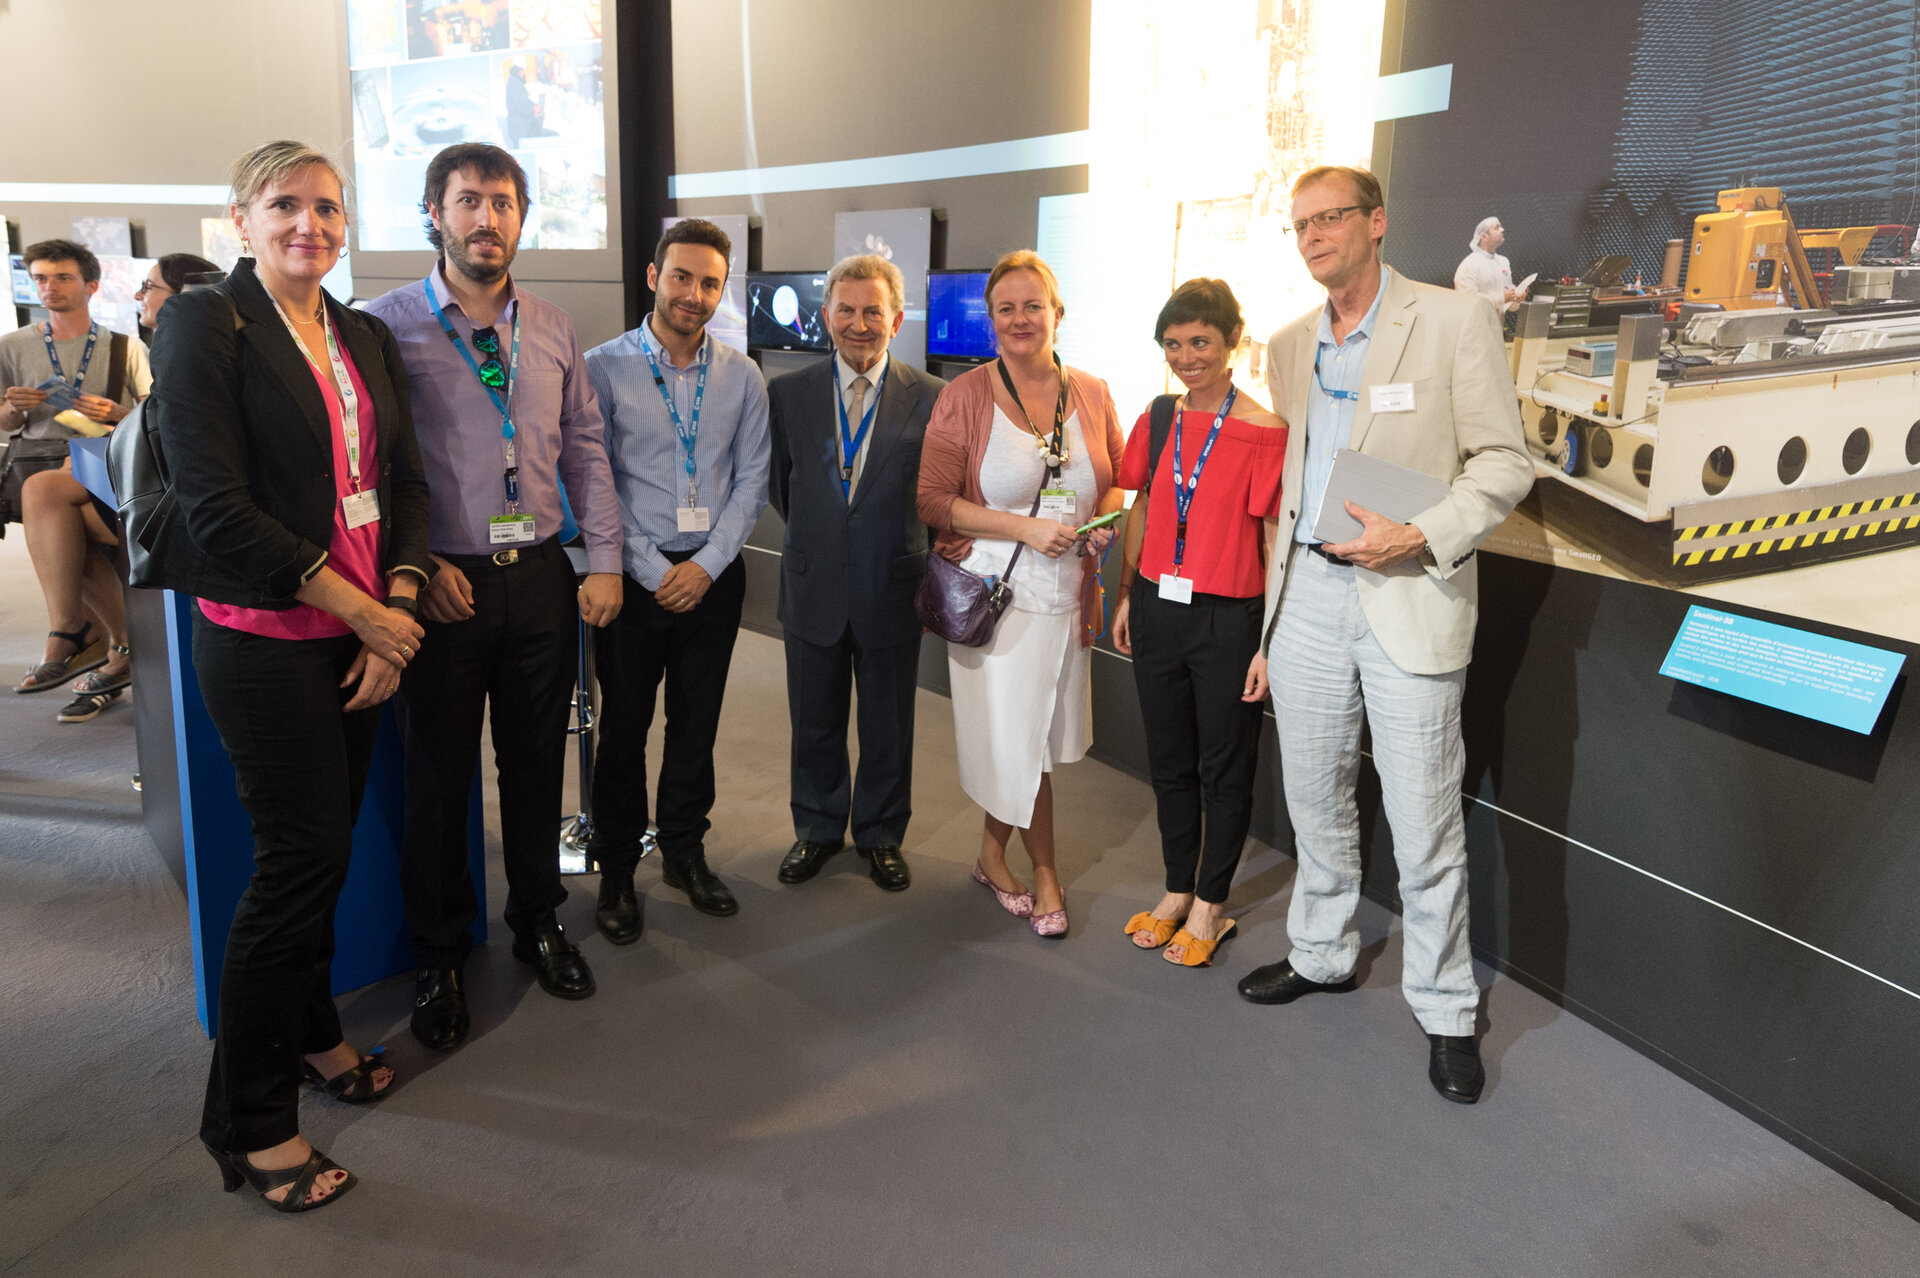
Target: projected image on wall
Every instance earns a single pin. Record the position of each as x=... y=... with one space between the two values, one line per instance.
x=527 y=76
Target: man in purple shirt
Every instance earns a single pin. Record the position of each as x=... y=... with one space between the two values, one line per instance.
x=504 y=413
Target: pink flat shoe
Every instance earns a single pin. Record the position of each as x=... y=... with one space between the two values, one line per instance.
x=1018 y=904
x=1052 y=923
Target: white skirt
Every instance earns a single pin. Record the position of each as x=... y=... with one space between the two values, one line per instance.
x=1021 y=704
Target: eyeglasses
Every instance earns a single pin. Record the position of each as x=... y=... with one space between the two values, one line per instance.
x=148 y=286
x=1326 y=220
x=487 y=342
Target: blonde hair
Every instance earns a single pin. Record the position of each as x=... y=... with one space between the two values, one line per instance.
x=273 y=163
x=1026 y=260
x=870 y=266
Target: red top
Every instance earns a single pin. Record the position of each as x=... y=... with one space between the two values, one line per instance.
x=354 y=553
x=1239 y=487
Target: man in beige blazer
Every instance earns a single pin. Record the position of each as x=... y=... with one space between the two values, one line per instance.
x=1381 y=625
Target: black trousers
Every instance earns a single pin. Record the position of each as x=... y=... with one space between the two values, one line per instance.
x=300 y=766
x=519 y=652
x=1190 y=666
x=820 y=687
x=691 y=652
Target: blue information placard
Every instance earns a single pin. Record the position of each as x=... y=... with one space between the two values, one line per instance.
x=1803 y=673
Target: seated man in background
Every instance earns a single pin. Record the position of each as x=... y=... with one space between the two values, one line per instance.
x=60 y=383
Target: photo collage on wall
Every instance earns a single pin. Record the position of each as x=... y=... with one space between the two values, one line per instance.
x=521 y=74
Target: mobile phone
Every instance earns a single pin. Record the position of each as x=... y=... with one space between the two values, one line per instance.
x=1101 y=522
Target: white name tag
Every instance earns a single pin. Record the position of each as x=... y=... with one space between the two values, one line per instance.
x=1394 y=398
x=691 y=518
x=505 y=529
x=361 y=508
x=1059 y=505
x=1176 y=589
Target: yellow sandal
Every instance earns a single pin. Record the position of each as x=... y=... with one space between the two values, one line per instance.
x=1194 y=951
x=1161 y=930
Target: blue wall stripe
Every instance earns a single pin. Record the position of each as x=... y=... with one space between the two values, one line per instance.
x=111 y=193
x=1056 y=150
x=1419 y=92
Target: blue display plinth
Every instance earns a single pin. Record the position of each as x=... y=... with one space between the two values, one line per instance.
x=370 y=935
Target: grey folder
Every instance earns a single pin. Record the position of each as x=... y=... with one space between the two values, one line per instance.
x=1380 y=486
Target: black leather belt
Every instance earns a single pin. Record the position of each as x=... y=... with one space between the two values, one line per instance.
x=507 y=556
x=1320 y=548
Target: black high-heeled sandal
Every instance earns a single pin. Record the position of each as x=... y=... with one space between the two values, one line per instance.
x=354 y=1086
x=235 y=1170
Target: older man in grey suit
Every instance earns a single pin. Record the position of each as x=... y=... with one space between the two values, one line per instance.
x=846 y=463
x=1381 y=625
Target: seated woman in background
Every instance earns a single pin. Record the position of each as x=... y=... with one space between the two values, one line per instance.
x=999 y=435
x=1201 y=533
x=71 y=534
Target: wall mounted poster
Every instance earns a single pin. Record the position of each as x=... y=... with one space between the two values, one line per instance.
x=525 y=75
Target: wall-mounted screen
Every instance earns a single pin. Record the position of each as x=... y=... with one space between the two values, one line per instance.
x=957 y=323
x=525 y=75
x=783 y=311
x=24 y=293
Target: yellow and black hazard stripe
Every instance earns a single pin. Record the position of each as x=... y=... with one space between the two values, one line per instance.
x=1819 y=526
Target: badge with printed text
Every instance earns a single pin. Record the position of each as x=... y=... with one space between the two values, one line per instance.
x=361 y=508
x=691 y=518
x=1176 y=589
x=1059 y=504
x=503 y=530
x=1397 y=397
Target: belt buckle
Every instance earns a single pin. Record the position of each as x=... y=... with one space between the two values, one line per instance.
x=506 y=557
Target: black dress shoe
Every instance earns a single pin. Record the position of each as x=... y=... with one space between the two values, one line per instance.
x=557 y=962
x=888 y=868
x=706 y=892
x=1279 y=983
x=618 y=912
x=1454 y=1068
x=804 y=859
x=440 y=1017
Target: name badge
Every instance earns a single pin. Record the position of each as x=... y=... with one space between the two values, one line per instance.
x=361 y=508
x=1059 y=504
x=691 y=518
x=1394 y=398
x=1176 y=589
x=506 y=529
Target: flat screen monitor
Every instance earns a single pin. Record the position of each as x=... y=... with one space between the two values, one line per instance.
x=24 y=293
x=957 y=323
x=783 y=311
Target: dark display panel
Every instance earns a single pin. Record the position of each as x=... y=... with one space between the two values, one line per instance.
x=783 y=311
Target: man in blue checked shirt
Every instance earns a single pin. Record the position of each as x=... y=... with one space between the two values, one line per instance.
x=687 y=436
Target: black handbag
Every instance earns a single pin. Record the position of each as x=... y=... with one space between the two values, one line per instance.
x=961 y=607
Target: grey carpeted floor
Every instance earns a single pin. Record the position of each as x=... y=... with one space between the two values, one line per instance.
x=840 y=1081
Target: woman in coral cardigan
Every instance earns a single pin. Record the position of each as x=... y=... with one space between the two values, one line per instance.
x=1022 y=426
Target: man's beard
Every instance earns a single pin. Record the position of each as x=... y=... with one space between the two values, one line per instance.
x=670 y=316
x=475 y=271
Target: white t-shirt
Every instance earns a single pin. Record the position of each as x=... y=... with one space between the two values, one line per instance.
x=1010 y=474
x=1486 y=274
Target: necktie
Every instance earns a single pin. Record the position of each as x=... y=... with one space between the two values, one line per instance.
x=854 y=416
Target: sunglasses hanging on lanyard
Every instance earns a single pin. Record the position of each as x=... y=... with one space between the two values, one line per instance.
x=512 y=527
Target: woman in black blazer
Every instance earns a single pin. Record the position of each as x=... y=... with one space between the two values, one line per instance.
x=284 y=423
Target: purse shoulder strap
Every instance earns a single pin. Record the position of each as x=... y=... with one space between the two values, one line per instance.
x=1019 y=546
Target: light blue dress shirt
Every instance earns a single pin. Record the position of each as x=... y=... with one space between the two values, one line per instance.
x=732 y=453
x=1330 y=420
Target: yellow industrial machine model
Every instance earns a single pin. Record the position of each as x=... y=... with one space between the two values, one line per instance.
x=1747 y=254
x=1743 y=442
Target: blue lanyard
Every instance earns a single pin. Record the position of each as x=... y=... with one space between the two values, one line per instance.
x=86 y=356
x=849 y=442
x=1335 y=395
x=512 y=476
x=689 y=432
x=1183 y=492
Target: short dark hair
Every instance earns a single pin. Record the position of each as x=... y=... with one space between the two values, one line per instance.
x=1200 y=301
x=695 y=230
x=175 y=267
x=65 y=251
x=479 y=158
